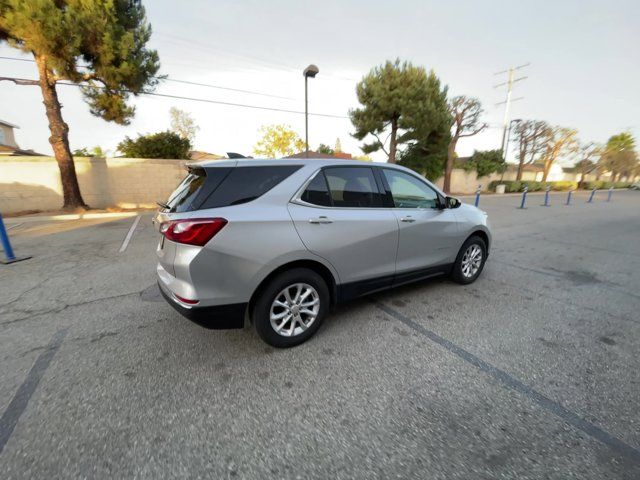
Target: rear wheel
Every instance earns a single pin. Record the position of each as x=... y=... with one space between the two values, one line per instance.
x=470 y=261
x=291 y=308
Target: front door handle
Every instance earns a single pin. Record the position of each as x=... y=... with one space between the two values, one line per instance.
x=320 y=219
x=408 y=219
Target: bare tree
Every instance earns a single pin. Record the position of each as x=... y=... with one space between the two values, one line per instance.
x=531 y=137
x=465 y=122
x=562 y=142
x=588 y=153
x=183 y=124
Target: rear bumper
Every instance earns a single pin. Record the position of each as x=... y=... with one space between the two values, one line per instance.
x=218 y=317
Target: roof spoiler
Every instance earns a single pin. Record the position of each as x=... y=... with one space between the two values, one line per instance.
x=236 y=155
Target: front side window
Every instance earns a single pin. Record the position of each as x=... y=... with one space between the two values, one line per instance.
x=353 y=187
x=408 y=191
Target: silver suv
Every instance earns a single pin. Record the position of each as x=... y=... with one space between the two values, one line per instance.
x=279 y=242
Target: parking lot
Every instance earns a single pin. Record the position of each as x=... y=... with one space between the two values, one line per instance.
x=531 y=372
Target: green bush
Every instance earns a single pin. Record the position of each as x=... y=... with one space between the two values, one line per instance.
x=157 y=145
x=511 y=186
x=563 y=186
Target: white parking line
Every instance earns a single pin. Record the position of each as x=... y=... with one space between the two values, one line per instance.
x=14 y=226
x=127 y=239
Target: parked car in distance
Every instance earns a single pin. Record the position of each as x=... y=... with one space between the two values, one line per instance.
x=279 y=242
x=635 y=186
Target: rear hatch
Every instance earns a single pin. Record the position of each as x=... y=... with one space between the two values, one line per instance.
x=188 y=196
x=212 y=187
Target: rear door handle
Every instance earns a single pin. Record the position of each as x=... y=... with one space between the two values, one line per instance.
x=408 y=219
x=320 y=219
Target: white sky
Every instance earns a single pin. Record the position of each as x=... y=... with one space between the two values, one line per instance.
x=584 y=73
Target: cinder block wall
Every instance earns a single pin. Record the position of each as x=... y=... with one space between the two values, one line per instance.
x=33 y=183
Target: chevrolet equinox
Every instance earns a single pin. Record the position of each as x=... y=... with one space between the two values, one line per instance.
x=279 y=242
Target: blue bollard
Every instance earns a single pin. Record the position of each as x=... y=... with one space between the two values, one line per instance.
x=593 y=192
x=569 y=197
x=524 y=196
x=610 y=192
x=546 y=196
x=478 y=195
x=6 y=245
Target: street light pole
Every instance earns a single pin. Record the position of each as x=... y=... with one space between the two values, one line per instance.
x=310 y=71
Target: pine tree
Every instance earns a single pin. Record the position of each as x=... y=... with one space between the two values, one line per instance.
x=98 y=44
x=402 y=102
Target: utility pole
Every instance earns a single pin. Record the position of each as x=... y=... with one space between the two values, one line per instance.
x=507 y=103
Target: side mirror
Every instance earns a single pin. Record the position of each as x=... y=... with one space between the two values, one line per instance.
x=451 y=202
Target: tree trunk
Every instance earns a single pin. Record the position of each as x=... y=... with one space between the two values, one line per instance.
x=520 y=168
x=59 y=139
x=545 y=173
x=581 y=182
x=393 y=142
x=448 y=167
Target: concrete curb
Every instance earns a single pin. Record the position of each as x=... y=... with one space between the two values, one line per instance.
x=73 y=216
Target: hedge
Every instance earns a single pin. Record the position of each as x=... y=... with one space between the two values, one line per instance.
x=512 y=186
x=601 y=184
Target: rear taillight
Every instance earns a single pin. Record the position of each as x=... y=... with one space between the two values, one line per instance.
x=192 y=231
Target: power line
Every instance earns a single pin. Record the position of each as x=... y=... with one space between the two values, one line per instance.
x=175 y=80
x=247 y=57
x=26 y=81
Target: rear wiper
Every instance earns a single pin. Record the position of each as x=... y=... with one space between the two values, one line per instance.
x=163 y=205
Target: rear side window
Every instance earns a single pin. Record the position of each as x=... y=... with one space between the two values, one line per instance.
x=244 y=184
x=353 y=187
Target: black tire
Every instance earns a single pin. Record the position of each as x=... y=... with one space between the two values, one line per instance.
x=262 y=307
x=457 y=274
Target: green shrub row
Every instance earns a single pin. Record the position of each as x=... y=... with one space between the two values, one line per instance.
x=512 y=186
x=601 y=184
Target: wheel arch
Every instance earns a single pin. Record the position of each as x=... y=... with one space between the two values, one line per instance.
x=313 y=265
x=483 y=235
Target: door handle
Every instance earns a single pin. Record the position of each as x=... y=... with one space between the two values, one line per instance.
x=408 y=219
x=320 y=219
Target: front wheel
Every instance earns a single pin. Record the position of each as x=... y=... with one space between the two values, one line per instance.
x=290 y=309
x=470 y=261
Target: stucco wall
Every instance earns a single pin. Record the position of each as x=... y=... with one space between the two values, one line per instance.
x=33 y=183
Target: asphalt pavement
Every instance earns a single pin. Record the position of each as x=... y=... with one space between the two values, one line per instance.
x=531 y=372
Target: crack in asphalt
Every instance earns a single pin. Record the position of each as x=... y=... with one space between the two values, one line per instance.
x=71 y=305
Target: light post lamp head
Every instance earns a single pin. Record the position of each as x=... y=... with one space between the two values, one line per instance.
x=310 y=71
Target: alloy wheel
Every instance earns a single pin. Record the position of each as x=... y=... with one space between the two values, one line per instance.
x=471 y=261
x=294 y=309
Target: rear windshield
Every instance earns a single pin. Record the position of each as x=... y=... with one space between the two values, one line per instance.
x=221 y=186
x=183 y=196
